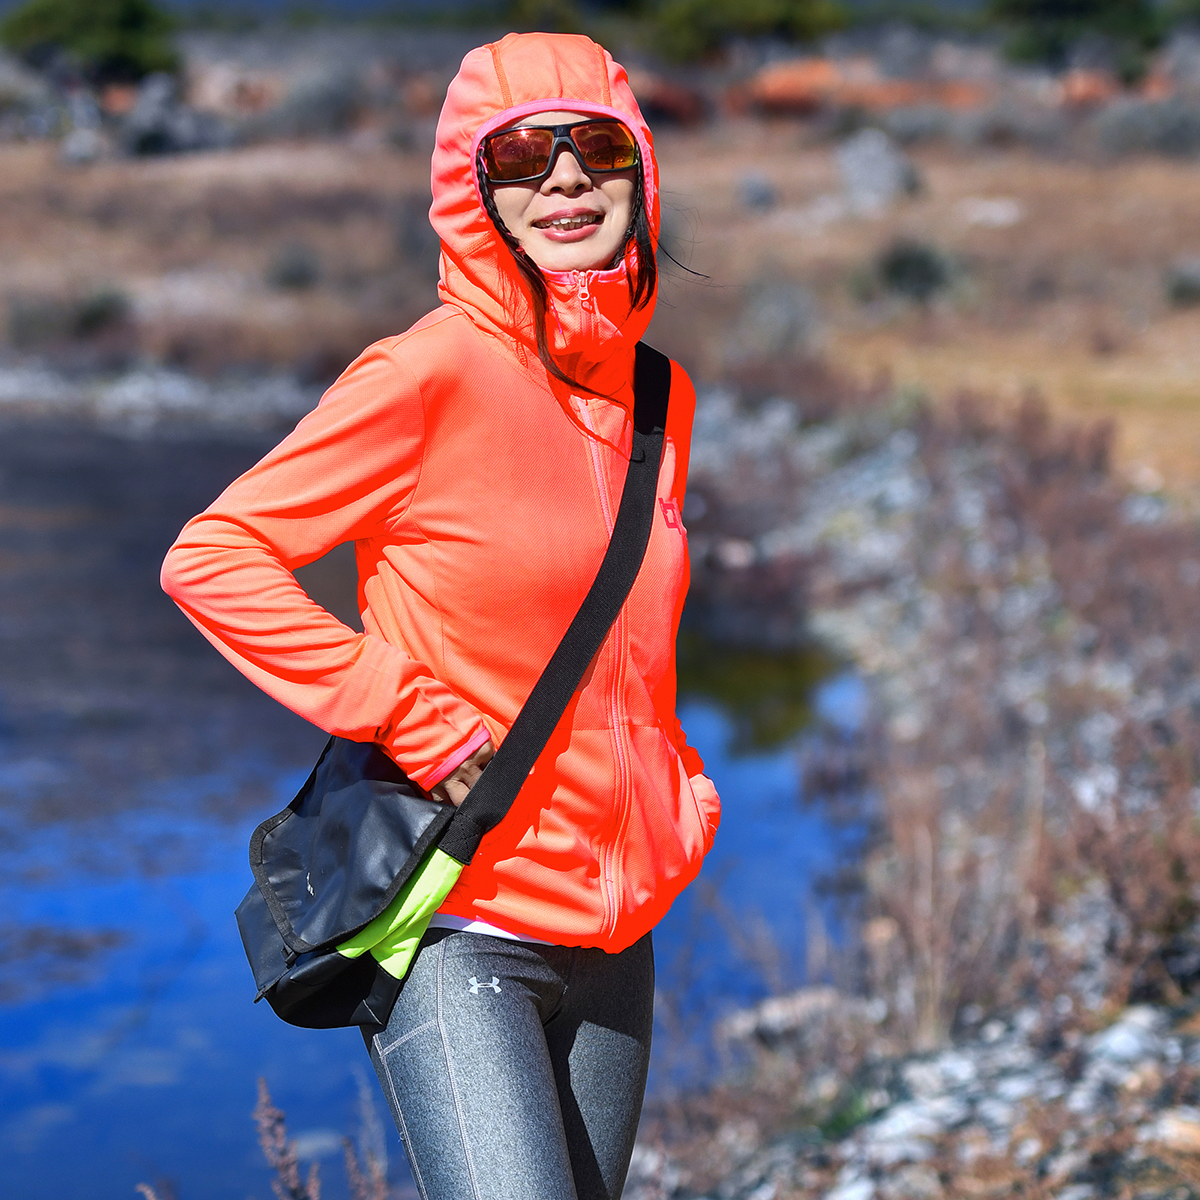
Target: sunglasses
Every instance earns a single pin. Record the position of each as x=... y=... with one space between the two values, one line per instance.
x=527 y=153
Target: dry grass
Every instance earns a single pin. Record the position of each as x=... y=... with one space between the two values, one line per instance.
x=194 y=244
x=367 y=1178
x=1004 y=808
x=281 y=1154
x=1069 y=300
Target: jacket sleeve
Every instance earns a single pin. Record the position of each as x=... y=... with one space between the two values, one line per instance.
x=349 y=466
x=681 y=410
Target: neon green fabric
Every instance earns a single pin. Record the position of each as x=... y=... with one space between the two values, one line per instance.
x=393 y=936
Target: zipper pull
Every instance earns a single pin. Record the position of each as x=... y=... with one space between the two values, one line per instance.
x=585 y=296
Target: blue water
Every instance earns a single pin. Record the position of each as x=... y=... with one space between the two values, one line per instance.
x=147 y=1070
x=133 y=766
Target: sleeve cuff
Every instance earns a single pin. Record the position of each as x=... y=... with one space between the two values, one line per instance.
x=430 y=777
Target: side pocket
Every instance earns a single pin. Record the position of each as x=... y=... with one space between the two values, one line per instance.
x=398 y=1067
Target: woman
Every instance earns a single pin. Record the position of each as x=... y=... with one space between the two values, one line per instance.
x=476 y=461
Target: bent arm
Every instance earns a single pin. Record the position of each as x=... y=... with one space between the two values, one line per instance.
x=347 y=468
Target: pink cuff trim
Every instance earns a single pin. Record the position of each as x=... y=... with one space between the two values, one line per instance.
x=432 y=776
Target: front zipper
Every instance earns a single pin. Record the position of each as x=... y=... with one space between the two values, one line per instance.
x=586 y=305
x=614 y=713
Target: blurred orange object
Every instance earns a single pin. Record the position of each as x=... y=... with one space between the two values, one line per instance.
x=252 y=95
x=423 y=95
x=961 y=95
x=806 y=85
x=661 y=97
x=225 y=88
x=116 y=99
x=879 y=95
x=802 y=85
x=1157 y=85
x=1082 y=88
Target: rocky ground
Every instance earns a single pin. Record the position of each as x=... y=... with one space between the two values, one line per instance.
x=1014 y=1014
x=1016 y=1105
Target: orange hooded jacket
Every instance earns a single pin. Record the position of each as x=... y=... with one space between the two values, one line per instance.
x=480 y=494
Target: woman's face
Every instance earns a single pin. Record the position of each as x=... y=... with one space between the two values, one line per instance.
x=569 y=220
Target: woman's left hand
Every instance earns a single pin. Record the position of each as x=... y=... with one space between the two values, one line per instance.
x=454 y=788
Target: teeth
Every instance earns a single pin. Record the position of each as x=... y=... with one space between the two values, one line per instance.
x=570 y=222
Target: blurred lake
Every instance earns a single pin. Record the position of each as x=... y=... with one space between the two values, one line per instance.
x=134 y=763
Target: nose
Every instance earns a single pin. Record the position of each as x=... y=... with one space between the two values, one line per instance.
x=566 y=175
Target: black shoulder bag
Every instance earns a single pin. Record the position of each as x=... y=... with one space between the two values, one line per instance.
x=349 y=874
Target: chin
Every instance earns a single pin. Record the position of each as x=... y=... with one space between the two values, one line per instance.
x=579 y=257
x=583 y=264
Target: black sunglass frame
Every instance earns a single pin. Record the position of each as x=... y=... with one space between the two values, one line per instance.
x=562 y=137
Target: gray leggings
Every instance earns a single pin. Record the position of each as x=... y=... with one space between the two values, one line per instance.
x=516 y=1071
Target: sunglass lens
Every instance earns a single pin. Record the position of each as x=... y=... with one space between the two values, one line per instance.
x=605 y=146
x=517 y=154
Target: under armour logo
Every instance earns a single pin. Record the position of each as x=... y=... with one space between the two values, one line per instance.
x=477 y=987
x=670 y=511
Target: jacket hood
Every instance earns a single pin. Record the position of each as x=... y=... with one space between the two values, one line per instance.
x=589 y=318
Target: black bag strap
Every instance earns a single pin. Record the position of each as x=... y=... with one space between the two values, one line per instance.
x=493 y=794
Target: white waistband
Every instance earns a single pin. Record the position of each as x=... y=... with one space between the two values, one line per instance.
x=470 y=925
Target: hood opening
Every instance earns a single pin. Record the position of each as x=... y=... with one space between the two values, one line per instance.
x=640 y=284
x=518 y=76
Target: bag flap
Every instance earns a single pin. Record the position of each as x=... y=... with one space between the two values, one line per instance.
x=260 y=939
x=336 y=857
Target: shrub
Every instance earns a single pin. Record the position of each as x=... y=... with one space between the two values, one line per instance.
x=914 y=270
x=37 y=321
x=550 y=16
x=109 y=40
x=1046 y=30
x=1182 y=283
x=690 y=29
x=295 y=268
x=1182 y=12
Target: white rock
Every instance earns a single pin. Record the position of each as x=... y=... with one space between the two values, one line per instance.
x=1015 y=1087
x=914 y=1181
x=1027 y=1150
x=855 y=1189
x=83 y=146
x=948 y=1069
x=1063 y=1165
x=996 y=1113
x=904 y=1120
x=948 y=1111
x=874 y=172
x=1176 y=1128
x=999 y=212
x=1132 y=1039
x=1027 y=1020
x=993 y=1031
x=901 y=1134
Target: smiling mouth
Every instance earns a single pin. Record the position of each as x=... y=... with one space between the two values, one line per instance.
x=566 y=223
